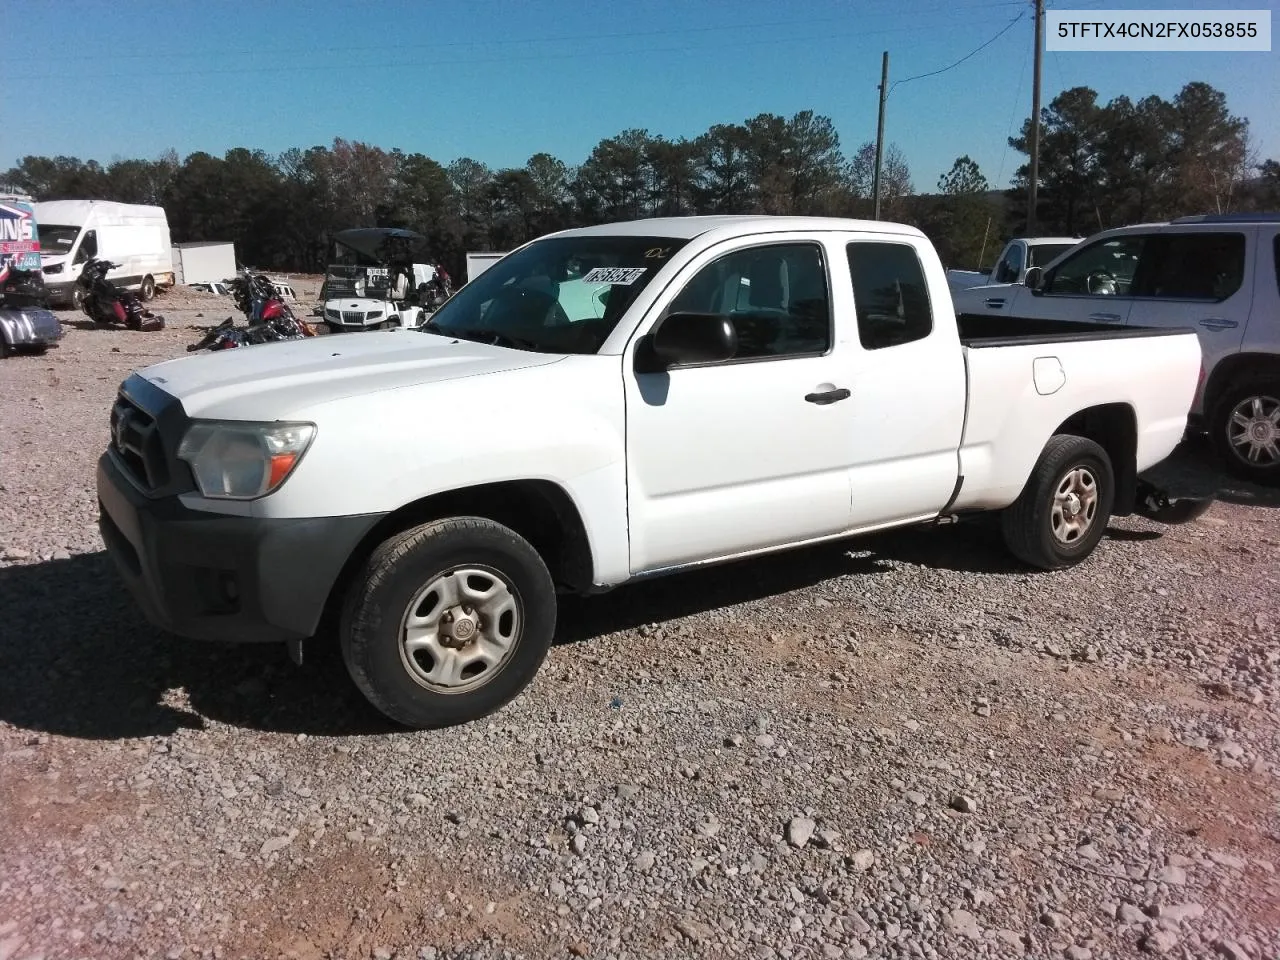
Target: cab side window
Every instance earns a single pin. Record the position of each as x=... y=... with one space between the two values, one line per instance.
x=1010 y=266
x=1103 y=269
x=889 y=294
x=1192 y=266
x=775 y=296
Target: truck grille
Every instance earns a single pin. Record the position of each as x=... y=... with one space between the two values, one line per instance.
x=136 y=440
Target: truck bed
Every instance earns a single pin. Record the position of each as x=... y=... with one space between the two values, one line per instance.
x=1047 y=371
x=981 y=330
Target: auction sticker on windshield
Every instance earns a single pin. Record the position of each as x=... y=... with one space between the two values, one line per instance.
x=620 y=276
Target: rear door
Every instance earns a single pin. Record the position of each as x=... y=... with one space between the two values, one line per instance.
x=1201 y=279
x=906 y=371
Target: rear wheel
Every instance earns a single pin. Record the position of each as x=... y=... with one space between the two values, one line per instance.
x=148 y=288
x=448 y=622
x=1063 y=511
x=1245 y=428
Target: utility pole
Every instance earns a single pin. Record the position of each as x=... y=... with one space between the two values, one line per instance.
x=884 y=91
x=1034 y=185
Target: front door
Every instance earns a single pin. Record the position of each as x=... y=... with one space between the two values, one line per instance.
x=1093 y=284
x=729 y=458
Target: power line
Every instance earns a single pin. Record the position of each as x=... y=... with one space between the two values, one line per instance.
x=1013 y=115
x=971 y=53
x=566 y=38
x=467 y=61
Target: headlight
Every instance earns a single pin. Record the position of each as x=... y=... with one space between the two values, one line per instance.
x=241 y=460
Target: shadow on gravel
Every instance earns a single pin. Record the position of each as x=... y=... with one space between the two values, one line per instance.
x=1193 y=471
x=79 y=660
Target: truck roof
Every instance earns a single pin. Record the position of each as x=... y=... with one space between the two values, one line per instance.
x=727 y=227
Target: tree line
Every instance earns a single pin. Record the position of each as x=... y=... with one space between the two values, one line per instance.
x=1101 y=165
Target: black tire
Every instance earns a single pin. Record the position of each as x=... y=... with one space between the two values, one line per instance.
x=148 y=288
x=380 y=598
x=1030 y=526
x=1221 y=430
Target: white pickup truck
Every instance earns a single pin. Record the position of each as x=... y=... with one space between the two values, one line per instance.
x=976 y=292
x=728 y=386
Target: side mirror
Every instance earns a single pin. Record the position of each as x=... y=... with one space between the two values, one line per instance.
x=690 y=338
x=1033 y=279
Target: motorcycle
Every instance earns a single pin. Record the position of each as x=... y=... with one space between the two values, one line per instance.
x=261 y=303
x=432 y=295
x=270 y=318
x=22 y=288
x=107 y=305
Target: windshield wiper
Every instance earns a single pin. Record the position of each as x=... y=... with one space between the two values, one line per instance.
x=493 y=337
x=482 y=336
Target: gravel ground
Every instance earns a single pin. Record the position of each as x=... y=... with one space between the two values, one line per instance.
x=903 y=746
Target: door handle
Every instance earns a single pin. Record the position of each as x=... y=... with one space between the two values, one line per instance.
x=995 y=303
x=1106 y=317
x=1219 y=323
x=828 y=396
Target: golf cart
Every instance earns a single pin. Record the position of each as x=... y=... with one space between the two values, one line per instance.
x=373 y=282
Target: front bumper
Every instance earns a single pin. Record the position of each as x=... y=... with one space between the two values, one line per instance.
x=216 y=577
x=29 y=327
x=60 y=291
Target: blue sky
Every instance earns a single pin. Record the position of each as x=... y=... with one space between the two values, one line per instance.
x=499 y=80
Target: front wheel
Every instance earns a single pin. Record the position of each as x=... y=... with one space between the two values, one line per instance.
x=1245 y=427
x=448 y=622
x=1063 y=511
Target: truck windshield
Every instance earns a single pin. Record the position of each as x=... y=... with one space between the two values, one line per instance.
x=55 y=238
x=558 y=295
x=1043 y=253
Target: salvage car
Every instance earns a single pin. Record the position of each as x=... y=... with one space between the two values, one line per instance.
x=739 y=385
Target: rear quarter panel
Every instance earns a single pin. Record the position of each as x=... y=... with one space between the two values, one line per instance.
x=1013 y=411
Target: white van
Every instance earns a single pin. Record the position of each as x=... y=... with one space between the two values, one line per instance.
x=136 y=236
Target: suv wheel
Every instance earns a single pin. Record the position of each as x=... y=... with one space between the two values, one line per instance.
x=1245 y=428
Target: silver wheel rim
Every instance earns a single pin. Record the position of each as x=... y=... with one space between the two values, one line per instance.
x=1253 y=430
x=461 y=629
x=1075 y=505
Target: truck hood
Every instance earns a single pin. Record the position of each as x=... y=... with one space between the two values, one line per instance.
x=272 y=381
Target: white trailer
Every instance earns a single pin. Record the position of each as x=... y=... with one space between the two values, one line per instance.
x=134 y=235
x=478 y=263
x=204 y=262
